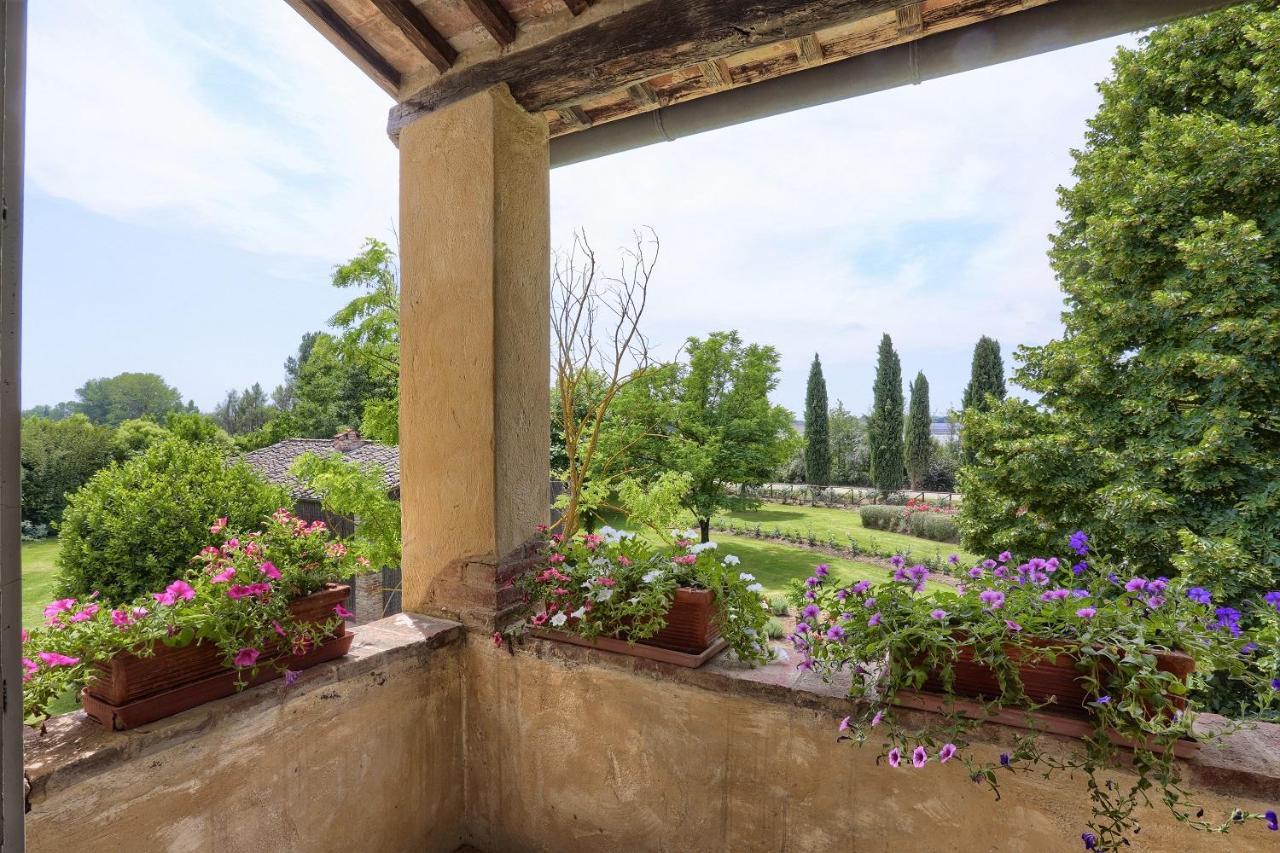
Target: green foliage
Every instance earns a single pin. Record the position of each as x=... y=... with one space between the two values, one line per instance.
x=817 y=434
x=779 y=606
x=944 y=464
x=877 y=517
x=359 y=492
x=850 y=449
x=936 y=526
x=198 y=429
x=137 y=434
x=113 y=400
x=58 y=457
x=332 y=390
x=57 y=412
x=134 y=525
x=986 y=376
x=884 y=427
x=658 y=504
x=244 y=411
x=236 y=597
x=918 y=445
x=1157 y=425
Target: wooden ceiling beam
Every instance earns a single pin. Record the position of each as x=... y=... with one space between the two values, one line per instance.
x=494 y=17
x=419 y=31
x=639 y=43
x=910 y=19
x=809 y=50
x=643 y=95
x=383 y=71
x=577 y=7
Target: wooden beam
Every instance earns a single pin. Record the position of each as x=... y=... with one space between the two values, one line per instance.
x=418 y=30
x=909 y=19
x=640 y=43
x=716 y=73
x=495 y=18
x=809 y=49
x=382 y=70
x=643 y=95
x=575 y=116
x=577 y=7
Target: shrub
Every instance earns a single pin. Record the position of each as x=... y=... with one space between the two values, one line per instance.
x=134 y=526
x=33 y=532
x=778 y=605
x=773 y=630
x=932 y=525
x=880 y=517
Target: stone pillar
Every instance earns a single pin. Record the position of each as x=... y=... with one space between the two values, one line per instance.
x=367 y=589
x=475 y=353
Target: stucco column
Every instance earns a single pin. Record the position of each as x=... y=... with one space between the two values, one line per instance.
x=475 y=352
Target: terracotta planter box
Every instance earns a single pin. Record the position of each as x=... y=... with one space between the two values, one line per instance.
x=1043 y=680
x=690 y=637
x=136 y=689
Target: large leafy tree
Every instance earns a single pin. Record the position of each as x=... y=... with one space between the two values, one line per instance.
x=58 y=457
x=817 y=431
x=918 y=445
x=113 y=400
x=850 y=453
x=1158 y=425
x=368 y=330
x=884 y=427
x=244 y=411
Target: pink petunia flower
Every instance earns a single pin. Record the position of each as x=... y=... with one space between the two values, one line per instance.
x=875 y=721
x=224 y=575
x=29 y=668
x=269 y=569
x=947 y=753
x=919 y=756
x=219 y=525
x=278 y=629
x=120 y=618
x=342 y=611
x=54 y=608
x=85 y=613
x=1087 y=612
x=55 y=659
x=895 y=757
x=246 y=657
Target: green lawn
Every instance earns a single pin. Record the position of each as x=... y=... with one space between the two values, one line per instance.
x=37 y=579
x=824 y=523
x=774 y=563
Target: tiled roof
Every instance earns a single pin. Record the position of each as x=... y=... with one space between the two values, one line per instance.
x=274 y=461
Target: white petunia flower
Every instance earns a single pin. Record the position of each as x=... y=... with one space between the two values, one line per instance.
x=755 y=587
x=604 y=593
x=730 y=560
x=559 y=619
x=579 y=613
x=650 y=577
x=745 y=576
x=699 y=547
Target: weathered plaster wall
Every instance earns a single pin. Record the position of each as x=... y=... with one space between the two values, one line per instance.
x=566 y=753
x=360 y=755
x=427 y=737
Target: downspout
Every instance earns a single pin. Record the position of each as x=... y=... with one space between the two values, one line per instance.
x=1041 y=29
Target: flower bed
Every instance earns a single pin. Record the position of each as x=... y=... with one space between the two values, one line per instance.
x=615 y=586
x=1122 y=656
x=253 y=608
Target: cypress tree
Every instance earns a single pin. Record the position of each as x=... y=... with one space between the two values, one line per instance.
x=986 y=375
x=817 y=432
x=884 y=427
x=918 y=446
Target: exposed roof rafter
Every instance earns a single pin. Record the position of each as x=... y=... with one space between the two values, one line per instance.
x=577 y=7
x=495 y=18
x=377 y=65
x=418 y=30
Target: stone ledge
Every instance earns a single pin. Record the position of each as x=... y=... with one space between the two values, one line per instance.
x=1241 y=763
x=74 y=748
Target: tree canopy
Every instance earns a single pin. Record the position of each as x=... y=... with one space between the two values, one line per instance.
x=1157 y=427
x=884 y=427
x=918 y=446
x=817 y=431
x=986 y=375
x=113 y=400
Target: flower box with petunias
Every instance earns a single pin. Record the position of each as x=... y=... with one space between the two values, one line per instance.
x=613 y=585
x=1067 y=645
x=260 y=605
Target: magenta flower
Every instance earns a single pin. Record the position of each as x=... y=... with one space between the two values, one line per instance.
x=993 y=598
x=86 y=613
x=246 y=657
x=29 y=668
x=1135 y=584
x=1012 y=626
x=875 y=721
x=55 y=659
x=1004 y=557
x=342 y=611
x=919 y=757
x=844 y=725
x=1087 y=612
x=835 y=632
x=948 y=751
x=178 y=590
x=895 y=757
x=290 y=676
x=278 y=629
x=218 y=526
x=224 y=575
x=975 y=572
x=822 y=570
x=120 y=618
x=53 y=608
x=874 y=620
x=939 y=614
x=269 y=569
x=810 y=611
x=234 y=592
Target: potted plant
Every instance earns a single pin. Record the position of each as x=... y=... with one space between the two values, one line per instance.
x=1119 y=657
x=260 y=605
x=616 y=591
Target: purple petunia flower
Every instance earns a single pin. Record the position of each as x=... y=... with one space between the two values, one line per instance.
x=953 y=559
x=1229 y=618
x=1079 y=568
x=1272 y=823
x=844 y=725
x=939 y=614
x=870 y=604
x=802 y=627
x=1087 y=612
x=810 y=611
x=1273 y=598
x=988 y=564
x=1012 y=626
x=948 y=750
x=895 y=757
x=1135 y=584
x=1090 y=840
x=835 y=632
x=920 y=756
x=810 y=594
x=1199 y=595
x=814 y=581
x=842 y=594
x=1102 y=700
x=861 y=586
x=1004 y=557
x=874 y=620
x=897 y=561
x=975 y=572
x=1080 y=542
x=822 y=570
x=1004 y=759
x=1275 y=684
x=875 y=721
x=1080 y=593
x=1248 y=648
x=1055 y=594
x=994 y=599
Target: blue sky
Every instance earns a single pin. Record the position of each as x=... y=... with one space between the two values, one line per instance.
x=222 y=157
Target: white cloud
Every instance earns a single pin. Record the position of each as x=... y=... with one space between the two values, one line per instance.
x=240 y=121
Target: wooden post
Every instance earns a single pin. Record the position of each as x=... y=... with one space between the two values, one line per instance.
x=475 y=341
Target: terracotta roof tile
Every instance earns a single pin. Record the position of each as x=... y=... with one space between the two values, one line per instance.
x=274 y=461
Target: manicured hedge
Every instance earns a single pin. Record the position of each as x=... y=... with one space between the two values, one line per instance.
x=878 y=517
x=936 y=526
